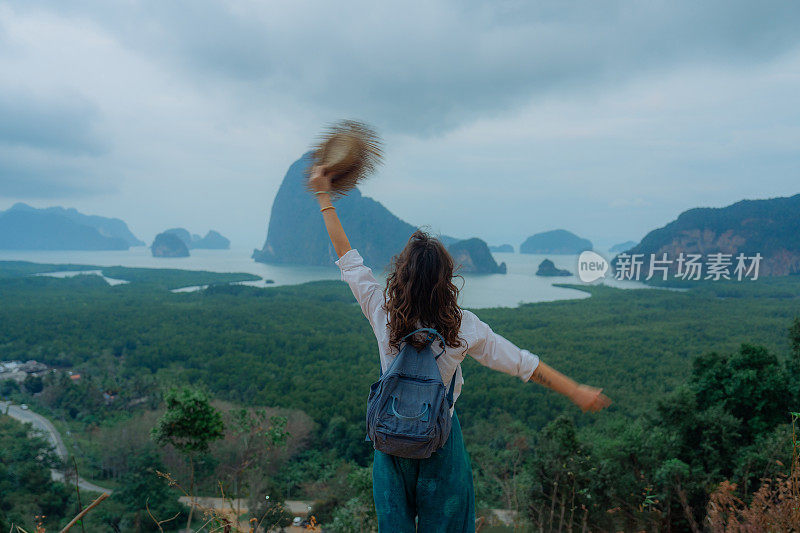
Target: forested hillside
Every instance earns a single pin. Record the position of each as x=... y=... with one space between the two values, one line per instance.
x=769 y=227
x=702 y=382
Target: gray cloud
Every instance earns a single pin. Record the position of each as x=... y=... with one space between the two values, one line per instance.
x=577 y=113
x=62 y=125
x=44 y=142
x=424 y=68
x=27 y=175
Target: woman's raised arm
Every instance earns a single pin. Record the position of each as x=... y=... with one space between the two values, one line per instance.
x=320 y=182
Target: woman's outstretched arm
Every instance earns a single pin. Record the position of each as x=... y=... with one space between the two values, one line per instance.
x=495 y=351
x=320 y=182
x=586 y=397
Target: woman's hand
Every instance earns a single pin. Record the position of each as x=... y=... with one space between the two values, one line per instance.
x=586 y=397
x=589 y=398
x=320 y=179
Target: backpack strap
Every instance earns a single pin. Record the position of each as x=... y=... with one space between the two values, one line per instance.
x=452 y=388
x=431 y=332
x=430 y=338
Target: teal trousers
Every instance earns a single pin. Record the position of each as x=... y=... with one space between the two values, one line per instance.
x=427 y=495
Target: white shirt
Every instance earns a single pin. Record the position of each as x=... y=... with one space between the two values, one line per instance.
x=483 y=344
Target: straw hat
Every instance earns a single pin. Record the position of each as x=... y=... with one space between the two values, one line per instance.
x=350 y=150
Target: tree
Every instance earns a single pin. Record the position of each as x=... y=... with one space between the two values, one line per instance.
x=143 y=488
x=750 y=385
x=190 y=424
x=257 y=433
x=8 y=387
x=358 y=512
x=26 y=487
x=563 y=469
x=794 y=337
x=720 y=424
x=499 y=450
x=33 y=384
x=793 y=365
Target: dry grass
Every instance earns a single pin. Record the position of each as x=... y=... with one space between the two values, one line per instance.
x=774 y=507
x=225 y=518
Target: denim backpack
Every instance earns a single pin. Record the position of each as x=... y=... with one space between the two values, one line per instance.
x=408 y=410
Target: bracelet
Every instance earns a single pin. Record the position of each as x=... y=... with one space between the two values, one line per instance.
x=321 y=192
x=327 y=207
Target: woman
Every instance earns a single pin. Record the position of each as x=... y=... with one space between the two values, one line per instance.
x=434 y=494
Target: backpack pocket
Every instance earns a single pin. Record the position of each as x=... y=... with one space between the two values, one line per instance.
x=422 y=416
x=402 y=445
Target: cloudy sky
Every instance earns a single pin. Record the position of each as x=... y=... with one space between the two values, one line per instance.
x=500 y=119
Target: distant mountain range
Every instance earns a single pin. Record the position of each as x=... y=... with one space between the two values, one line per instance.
x=23 y=227
x=297 y=235
x=623 y=246
x=556 y=242
x=212 y=241
x=770 y=227
x=504 y=248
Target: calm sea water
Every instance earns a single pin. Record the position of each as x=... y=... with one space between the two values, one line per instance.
x=519 y=285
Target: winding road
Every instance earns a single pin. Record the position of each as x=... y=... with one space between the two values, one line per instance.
x=53 y=436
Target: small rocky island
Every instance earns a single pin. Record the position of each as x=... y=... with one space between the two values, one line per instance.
x=474 y=257
x=557 y=241
x=503 y=248
x=548 y=268
x=169 y=245
x=212 y=241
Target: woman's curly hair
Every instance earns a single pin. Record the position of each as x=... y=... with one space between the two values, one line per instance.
x=419 y=287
